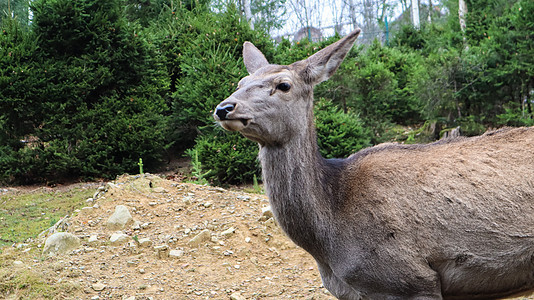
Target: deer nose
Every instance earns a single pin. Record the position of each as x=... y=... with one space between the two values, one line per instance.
x=223 y=111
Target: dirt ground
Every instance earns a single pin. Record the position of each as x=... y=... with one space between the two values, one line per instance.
x=243 y=254
x=187 y=242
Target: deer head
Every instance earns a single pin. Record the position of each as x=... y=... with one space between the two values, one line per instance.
x=274 y=103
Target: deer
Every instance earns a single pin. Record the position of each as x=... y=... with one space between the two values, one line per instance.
x=453 y=219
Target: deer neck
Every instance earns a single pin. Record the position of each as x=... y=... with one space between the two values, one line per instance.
x=301 y=187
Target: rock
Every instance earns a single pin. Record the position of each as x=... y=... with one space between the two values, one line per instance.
x=270 y=223
x=200 y=238
x=99 y=286
x=119 y=238
x=18 y=263
x=120 y=218
x=145 y=242
x=162 y=251
x=176 y=253
x=92 y=239
x=267 y=212
x=136 y=225
x=110 y=185
x=237 y=296
x=228 y=232
x=160 y=190
x=59 y=243
x=130 y=298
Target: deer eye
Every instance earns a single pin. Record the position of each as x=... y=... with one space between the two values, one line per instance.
x=284 y=86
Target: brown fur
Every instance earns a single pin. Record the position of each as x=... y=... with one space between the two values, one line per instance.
x=449 y=220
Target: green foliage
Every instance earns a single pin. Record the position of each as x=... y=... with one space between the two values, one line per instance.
x=94 y=103
x=516 y=115
x=91 y=85
x=230 y=157
x=198 y=173
x=339 y=134
x=379 y=84
x=203 y=60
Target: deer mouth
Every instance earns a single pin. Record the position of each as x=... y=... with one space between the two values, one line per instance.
x=235 y=124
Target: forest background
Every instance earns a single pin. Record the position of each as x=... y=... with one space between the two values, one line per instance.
x=88 y=87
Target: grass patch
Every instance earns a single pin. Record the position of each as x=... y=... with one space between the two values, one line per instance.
x=21 y=283
x=23 y=215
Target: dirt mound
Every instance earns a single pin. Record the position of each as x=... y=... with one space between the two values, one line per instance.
x=186 y=242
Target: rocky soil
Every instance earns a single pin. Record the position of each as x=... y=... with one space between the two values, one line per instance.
x=183 y=241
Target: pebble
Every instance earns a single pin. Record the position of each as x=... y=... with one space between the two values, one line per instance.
x=200 y=238
x=92 y=239
x=228 y=232
x=119 y=238
x=145 y=242
x=162 y=251
x=99 y=286
x=176 y=253
x=18 y=263
x=267 y=212
x=120 y=218
x=237 y=296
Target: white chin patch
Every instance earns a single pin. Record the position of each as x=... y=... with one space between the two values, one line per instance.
x=232 y=125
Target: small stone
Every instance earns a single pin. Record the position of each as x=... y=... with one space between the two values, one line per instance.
x=162 y=251
x=132 y=263
x=243 y=198
x=129 y=298
x=60 y=242
x=176 y=253
x=99 y=286
x=18 y=263
x=159 y=190
x=200 y=238
x=228 y=232
x=90 y=200
x=92 y=239
x=142 y=271
x=247 y=240
x=145 y=242
x=207 y=204
x=271 y=223
x=110 y=185
x=152 y=203
x=267 y=212
x=119 y=238
x=136 y=225
x=120 y=218
x=237 y=296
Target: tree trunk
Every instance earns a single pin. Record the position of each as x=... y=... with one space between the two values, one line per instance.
x=415 y=13
x=462 y=11
x=248 y=13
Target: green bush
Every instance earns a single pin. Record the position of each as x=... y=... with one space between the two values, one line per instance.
x=231 y=158
x=339 y=134
x=379 y=84
x=94 y=102
x=203 y=59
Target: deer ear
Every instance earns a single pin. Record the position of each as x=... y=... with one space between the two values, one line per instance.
x=253 y=58
x=323 y=64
